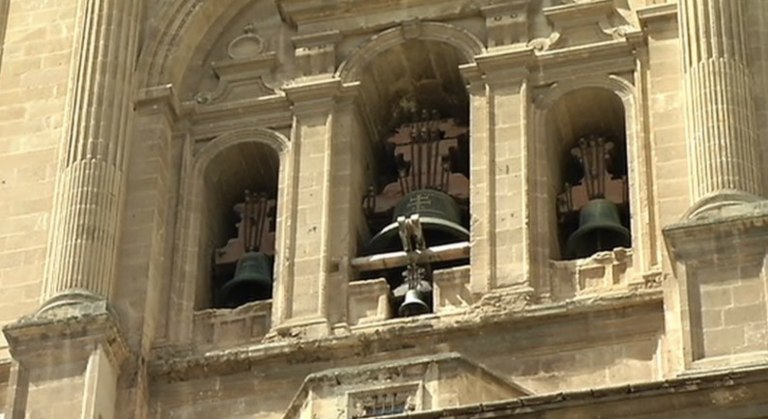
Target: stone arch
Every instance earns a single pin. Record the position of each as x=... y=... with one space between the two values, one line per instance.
x=186 y=274
x=619 y=86
x=640 y=175
x=277 y=141
x=465 y=43
x=172 y=42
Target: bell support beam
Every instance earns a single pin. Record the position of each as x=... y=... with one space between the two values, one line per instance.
x=72 y=349
x=311 y=293
x=722 y=137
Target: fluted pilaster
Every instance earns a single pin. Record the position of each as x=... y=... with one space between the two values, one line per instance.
x=90 y=184
x=720 y=113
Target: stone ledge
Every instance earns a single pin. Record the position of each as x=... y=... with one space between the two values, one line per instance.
x=725 y=218
x=730 y=229
x=599 y=400
x=83 y=326
x=493 y=310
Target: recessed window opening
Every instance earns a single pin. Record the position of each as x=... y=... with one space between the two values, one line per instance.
x=239 y=214
x=383 y=404
x=592 y=205
x=415 y=108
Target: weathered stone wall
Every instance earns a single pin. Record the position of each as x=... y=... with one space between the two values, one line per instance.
x=34 y=79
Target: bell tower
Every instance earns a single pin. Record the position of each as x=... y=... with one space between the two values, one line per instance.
x=361 y=209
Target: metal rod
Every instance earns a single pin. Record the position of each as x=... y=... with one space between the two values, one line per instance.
x=442 y=253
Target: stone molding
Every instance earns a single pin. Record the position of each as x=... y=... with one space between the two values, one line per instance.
x=316 y=53
x=38 y=339
x=734 y=387
x=303 y=14
x=162 y=99
x=747 y=221
x=494 y=309
x=410 y=375
x=240 y=75
x=467 y=44
x=507 y=23
x=723 y=254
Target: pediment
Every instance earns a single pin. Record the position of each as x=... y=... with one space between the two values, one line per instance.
x=404 y=385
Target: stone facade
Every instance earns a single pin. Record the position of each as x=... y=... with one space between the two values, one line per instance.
x=129 y=129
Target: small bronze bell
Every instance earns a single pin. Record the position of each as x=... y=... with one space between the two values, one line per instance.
x=414 y=297
x=599 y=230
x=440 y=218
x=252 y=281
x=413 y=304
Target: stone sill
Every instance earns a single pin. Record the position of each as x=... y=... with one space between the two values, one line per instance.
x=727 y=362
x=493 y=309
x=227 y=327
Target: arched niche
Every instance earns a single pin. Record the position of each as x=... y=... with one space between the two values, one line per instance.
x=221 y=172
x=247 y=167
x=587 y=122
x=411 y=83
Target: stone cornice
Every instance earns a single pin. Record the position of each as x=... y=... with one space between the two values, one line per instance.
x=180 y=366
x=506 y=61
x=642 y=399
x=159 y=99
x=734 y=229
x=211 y=120
x=657 y=12
x=80 y=328
x=730 y=219
x=298 y=13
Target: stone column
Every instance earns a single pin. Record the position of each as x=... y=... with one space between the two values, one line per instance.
x=722 y=145
x=311 y=261
x=717 y=304
x=499 y=174
x=90 y=188
x=72 y=350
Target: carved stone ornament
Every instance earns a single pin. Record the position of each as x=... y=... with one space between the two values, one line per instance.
x=247 y=45
x=584 y=22
x=507 y=24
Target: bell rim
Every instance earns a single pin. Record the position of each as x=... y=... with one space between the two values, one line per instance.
x=391 y=230
x=419 y=302
x=594 y=226
x=591 y=227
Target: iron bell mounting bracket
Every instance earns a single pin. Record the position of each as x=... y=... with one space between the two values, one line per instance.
x=418 y=270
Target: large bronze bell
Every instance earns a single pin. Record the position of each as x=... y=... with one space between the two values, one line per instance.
x=599 y=230
x=252 y=281
x=440 y=219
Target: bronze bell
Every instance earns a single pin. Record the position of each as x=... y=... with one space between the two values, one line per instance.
x=440 y=219
x=252 y=281
x=413 y=304
x=599 y=230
